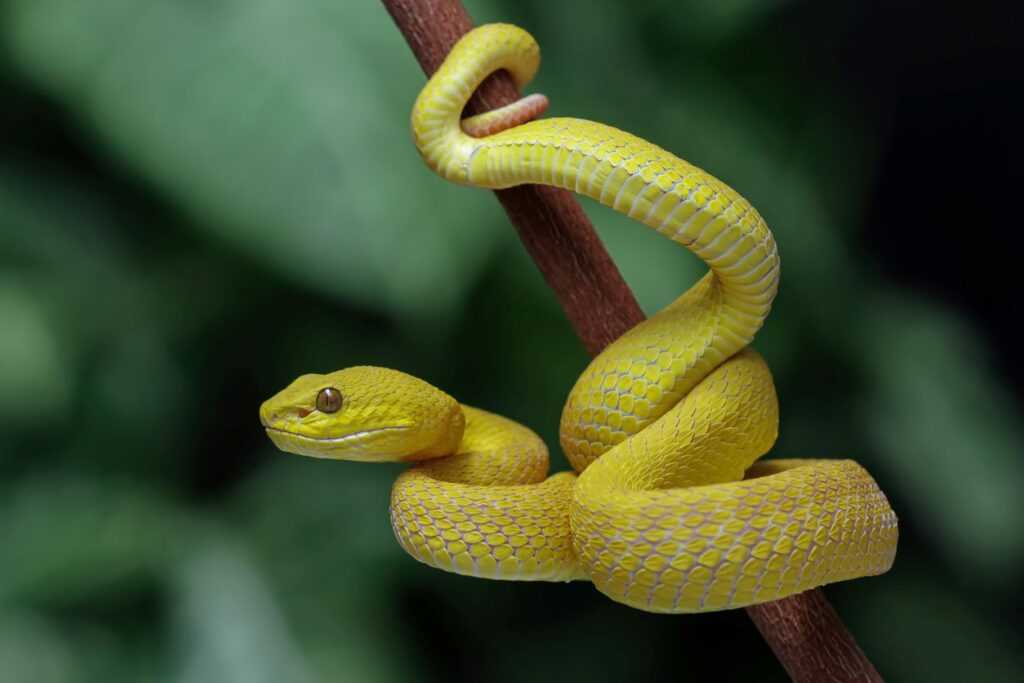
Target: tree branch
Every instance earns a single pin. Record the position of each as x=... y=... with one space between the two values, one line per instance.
x=804 y=631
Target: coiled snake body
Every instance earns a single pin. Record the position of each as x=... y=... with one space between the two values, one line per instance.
x=669 y=512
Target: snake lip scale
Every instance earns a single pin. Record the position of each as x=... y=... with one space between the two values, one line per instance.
x=667 y=508
x=334 y=439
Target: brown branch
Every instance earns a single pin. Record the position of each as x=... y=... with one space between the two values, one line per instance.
x=804 y=630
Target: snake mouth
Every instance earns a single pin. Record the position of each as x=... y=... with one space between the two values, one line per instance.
x=334 y=439
x=353 y=446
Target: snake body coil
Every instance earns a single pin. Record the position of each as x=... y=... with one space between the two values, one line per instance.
x=669 y=512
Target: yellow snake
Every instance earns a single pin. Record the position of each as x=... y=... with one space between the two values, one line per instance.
x=668 y=512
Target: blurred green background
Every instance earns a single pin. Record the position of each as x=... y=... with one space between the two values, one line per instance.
x=201 y=200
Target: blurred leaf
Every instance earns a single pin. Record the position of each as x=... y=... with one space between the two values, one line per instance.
x=36 y=376
x=322 y=533
x=265 y=127
x=944 y=635
x=33 y=650
x=72 y=539
x=110 y=318
x=37 y=647
x=949 y=434
x=227 y=625
x=707 y=23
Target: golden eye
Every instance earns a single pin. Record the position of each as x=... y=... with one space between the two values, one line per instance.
x=328 y=400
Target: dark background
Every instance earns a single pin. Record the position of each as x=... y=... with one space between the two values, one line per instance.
x=201 y=200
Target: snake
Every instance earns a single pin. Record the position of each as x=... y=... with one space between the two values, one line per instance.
x=668 y=508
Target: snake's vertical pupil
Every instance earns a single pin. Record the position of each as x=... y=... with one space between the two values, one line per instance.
x=328 y=400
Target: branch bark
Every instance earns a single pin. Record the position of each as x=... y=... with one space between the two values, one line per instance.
x=804 y=631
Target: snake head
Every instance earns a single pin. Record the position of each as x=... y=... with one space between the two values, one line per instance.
x=363 y=413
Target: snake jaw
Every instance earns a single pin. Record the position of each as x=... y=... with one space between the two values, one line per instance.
x=367 y=445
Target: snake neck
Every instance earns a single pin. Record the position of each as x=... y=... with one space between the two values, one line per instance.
x=493 y=451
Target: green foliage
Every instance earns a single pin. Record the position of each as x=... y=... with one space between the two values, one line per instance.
x=209 y=198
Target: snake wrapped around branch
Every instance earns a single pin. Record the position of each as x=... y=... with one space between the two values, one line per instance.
x=668 y=509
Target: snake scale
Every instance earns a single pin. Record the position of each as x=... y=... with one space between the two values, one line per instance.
x=667 y=510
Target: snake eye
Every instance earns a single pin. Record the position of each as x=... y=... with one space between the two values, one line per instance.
x=328 y=400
